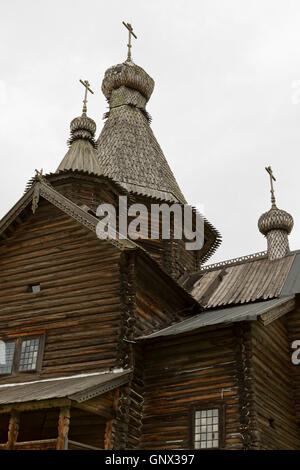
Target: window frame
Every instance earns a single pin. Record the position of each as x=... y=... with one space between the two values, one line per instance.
x=202 y=406
x=17 y=354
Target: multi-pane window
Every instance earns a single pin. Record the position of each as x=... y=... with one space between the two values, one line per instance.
x=207 y=428
x=29 y=354
x=7 y=360
x=21 y=355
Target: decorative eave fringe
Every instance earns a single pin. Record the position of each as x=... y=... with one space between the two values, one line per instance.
x=143 y=111
x=82 y=136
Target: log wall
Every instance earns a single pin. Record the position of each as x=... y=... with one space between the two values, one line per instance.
x=184 y=371
x=293 y=324
x=274 y=404
x=78 y=307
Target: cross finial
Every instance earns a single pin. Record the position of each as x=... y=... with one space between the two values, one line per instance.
x=272 y=178
x=130 y=32
x=86 y=84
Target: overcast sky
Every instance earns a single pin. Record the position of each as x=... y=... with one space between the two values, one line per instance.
x=226 y=101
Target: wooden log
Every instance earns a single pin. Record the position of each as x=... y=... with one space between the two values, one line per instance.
x=63 y=428
x=13 y=429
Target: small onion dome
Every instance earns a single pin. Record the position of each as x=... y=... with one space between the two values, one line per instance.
x=129 y=75
x=275 y=219
x=83 y=127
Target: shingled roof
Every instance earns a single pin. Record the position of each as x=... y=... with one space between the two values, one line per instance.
x=244 y=280
x=127 y=149
x=81 y=155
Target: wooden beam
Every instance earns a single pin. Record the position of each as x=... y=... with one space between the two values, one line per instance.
x=277 y=312
x=35 y=405
x=13 y=429
x=109 y=424
x=105 y=414
x=107 y=434
x=63 y=428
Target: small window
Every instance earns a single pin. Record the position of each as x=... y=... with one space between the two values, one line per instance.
x=207 y=429
x=35 y=288
x=22 y=355
x=7 y=365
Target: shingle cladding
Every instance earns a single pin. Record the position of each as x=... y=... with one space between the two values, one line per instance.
x=241 y=283
x=127 y=149
x=129 y=153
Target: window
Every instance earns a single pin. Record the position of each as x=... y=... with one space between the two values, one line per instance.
x=207 y=429
x=35 y=288
x=29 y=354
x=7 y=360
x=22 y=355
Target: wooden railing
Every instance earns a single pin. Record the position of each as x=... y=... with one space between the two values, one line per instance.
x=48 y=444
x=73 y=445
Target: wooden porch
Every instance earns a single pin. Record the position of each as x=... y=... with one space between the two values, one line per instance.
x=59 y=424
x=48 y=444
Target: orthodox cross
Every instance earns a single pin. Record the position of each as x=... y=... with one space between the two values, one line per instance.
x=130 y=32
x=272 y=178
x=86 y=84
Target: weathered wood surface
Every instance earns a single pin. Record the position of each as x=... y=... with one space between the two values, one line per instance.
x=170 y=254
x=271 y=371
x=183 y=371
x=159 y=303
x=293 y=325
x=63 y=428
x=13 y=429
x=78 y=308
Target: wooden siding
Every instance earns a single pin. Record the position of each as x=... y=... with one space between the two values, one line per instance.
x=159 y=303
x=183 y=371
x=273 y=399
x=293 y=323
x=78 y=308
x=170 y=254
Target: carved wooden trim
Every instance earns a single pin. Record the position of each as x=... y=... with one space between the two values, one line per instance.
x=16 y=210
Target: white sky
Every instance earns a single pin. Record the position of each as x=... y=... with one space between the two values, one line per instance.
x=226 y=101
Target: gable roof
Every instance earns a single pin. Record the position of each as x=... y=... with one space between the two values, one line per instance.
x=40 y=188
x=265 y=312
x=78 y=388
x=43 y=189
x=243 y=281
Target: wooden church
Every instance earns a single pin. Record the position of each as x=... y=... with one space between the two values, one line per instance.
x=135 y=344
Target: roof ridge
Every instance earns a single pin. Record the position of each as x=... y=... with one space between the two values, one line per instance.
x=234 y=261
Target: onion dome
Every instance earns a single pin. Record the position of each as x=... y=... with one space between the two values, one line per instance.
x=276 y=225
x=84 y=128
x=275 y=219
x=81 y=155
x=127 y=149
x=128 y=75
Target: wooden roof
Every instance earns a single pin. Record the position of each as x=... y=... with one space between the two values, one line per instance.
x=81 y=156
x=79 y=388
x=265 y=312
x=129 y=153
x=248 y=281
x=63 y=203
x=43 y=189
x=127 y=149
